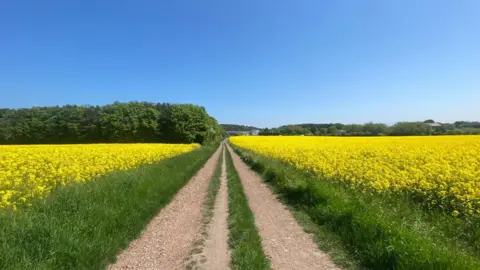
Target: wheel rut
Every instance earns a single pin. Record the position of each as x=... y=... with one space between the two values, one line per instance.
x=216 y=246
x=284 y=242
x=213 y=251
x=167 y=239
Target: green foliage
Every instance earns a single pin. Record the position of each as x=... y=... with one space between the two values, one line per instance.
x=233 y=127
x=332 y=130
x=376 y=232
x=467 y=124
x=287 y=130
x=245 y=243
x=188 y=123
x=377 y=129
x=374 y=129
x=410 y=128
x=114 y=123
x=129 y=122
x=84 y=226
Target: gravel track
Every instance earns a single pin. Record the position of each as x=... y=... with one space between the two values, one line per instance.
x=166 y=241
x=283 y=240
x=210 y=249
x=216 y=246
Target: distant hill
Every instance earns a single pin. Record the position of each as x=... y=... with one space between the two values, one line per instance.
x=232 y=127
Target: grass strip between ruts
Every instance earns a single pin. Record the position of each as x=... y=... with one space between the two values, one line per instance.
x=212 y=192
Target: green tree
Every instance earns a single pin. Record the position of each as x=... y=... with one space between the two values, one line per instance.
x=117 y=122
x=332 y=130
x=185 y=123
x=374 y=128
x=410 y=128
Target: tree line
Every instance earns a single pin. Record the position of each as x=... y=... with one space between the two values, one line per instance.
x=233 y=127
x=427 y=127
x=129 y=122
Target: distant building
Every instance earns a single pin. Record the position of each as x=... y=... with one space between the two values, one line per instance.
x=434 y=125
x=237 y=133
x=254 y=132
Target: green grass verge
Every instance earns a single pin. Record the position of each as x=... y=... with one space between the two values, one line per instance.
x=244 y=241
x=84 y=226
x=368 y=231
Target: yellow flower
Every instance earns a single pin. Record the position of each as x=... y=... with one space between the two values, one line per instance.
x=445 y=170
x=29 y=171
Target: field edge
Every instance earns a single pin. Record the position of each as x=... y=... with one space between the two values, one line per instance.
x=353 y=239
x=86 y=225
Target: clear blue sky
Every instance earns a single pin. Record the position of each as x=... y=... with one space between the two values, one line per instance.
x=253 y=62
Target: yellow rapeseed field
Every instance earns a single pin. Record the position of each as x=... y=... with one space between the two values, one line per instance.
x=30 y=171
x=443 y=170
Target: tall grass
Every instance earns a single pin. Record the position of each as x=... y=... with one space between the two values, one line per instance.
x=84 y=226
x=375 y=232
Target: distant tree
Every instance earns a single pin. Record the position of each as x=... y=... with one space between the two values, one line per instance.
x=374 y=128
x=410 y=128
x=377 y=129
x=233 y=127
x=265 y=132
x=323 y=131
x=467 y=124
x=353 y=129
x=448 y=126
x=332 y=130
x=339 y=125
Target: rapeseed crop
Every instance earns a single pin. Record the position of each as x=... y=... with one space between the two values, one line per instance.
x=442 y=171
x=32 y=171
